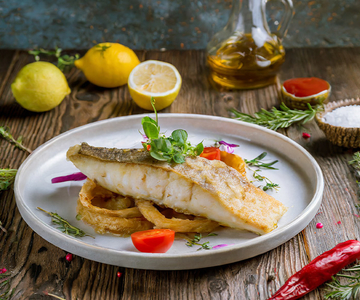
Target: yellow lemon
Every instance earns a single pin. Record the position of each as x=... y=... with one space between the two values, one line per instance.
x=156 y=79
x=108 y=64
x=40 y=86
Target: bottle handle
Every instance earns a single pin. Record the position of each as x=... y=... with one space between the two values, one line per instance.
x=284 y=23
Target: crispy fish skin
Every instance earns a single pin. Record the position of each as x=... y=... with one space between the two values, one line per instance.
x=206 y=188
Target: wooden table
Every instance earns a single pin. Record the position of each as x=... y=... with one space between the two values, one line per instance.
x=38 y=266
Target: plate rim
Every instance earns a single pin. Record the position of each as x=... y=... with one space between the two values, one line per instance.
x=307 y=214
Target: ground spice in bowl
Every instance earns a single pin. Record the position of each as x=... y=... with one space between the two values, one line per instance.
x=340 y=121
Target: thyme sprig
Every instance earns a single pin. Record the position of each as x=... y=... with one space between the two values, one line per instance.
x=64 y=226
x=196 y=242
x=5 y=292
x=278 y=118
x=348 y=290
x=5 y=133
x=355 y=163
x=7 y=177
x=63 y=61
x=259 y=165
x=173 y=148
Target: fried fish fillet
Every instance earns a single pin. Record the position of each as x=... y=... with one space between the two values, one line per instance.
x=201 y=187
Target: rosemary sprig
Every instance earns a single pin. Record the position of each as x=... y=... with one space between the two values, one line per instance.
x=259 y=164
x=63 y=61
x=355 y=162
x=64 y=226
x=278 y=118
x=5 y=292
x=349 y=290
x=5 y=133
x=196 y=241
x=7 y=177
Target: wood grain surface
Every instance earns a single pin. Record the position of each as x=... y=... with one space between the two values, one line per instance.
x=37 y=266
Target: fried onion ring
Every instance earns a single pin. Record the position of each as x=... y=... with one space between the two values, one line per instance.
x=121 y=222
x=178 y=225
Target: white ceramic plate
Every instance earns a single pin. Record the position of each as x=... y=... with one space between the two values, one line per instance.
x=300 y=178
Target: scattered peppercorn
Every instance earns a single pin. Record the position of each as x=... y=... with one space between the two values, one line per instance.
x=319 y=225
x=118 y=274
x=306 y=135
x=69 y=257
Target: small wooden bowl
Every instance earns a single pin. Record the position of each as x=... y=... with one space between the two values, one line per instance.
x=338 y=135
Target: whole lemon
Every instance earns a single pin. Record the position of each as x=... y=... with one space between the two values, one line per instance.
x=40 y=86
x=108 y=64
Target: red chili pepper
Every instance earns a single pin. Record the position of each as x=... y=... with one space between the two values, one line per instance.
x=148 y=147
x=318 y=271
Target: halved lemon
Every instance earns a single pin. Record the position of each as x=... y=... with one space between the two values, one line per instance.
x=156 y=79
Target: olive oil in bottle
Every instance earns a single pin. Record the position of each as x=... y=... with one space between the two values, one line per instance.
x=241 y=64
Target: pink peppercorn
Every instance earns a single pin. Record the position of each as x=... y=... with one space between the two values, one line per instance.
x=69 y=257
x=306 y=135
x=3 y=270
x=339 y=222
x=118 y=274
x=319 y=225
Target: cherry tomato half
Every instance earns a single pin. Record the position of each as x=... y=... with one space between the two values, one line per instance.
x=153 y=240
x=211 y=153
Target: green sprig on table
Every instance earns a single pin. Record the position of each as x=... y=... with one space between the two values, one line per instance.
x=7 y=177
x=63 y=61
x=278 y=118
x=347 y=290
x=5 y=134
x=173 y=148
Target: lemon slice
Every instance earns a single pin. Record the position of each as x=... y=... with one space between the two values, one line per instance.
x=156 y=79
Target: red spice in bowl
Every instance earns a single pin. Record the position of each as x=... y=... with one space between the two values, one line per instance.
x=299 y=92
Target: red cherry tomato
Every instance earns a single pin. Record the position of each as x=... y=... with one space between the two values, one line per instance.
x=211 y=153
x=153 y=240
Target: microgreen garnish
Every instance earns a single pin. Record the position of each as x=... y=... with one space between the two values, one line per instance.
x=259 y=165
x=196 y=241
x=7 y=177
x=173 y=148
x=348 y=290
x=64 y=225
x=278 y=118
x=5 y=292
x=64 y=61
x=5 y=133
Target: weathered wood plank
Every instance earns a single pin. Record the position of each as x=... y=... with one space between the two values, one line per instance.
x=36 y=265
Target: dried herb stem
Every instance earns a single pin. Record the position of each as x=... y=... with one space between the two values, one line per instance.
x=64 y=226
x=5 y=133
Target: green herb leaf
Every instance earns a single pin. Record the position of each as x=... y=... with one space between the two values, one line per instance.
x=64 y=62
x=259 y=164
x=64 y=226
x=173 y=148
x=348 y=290
x=5 y=134
x=275 y=119
x=180 y=136
x=196 y=241
x=7 y=177
x=151 y=130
